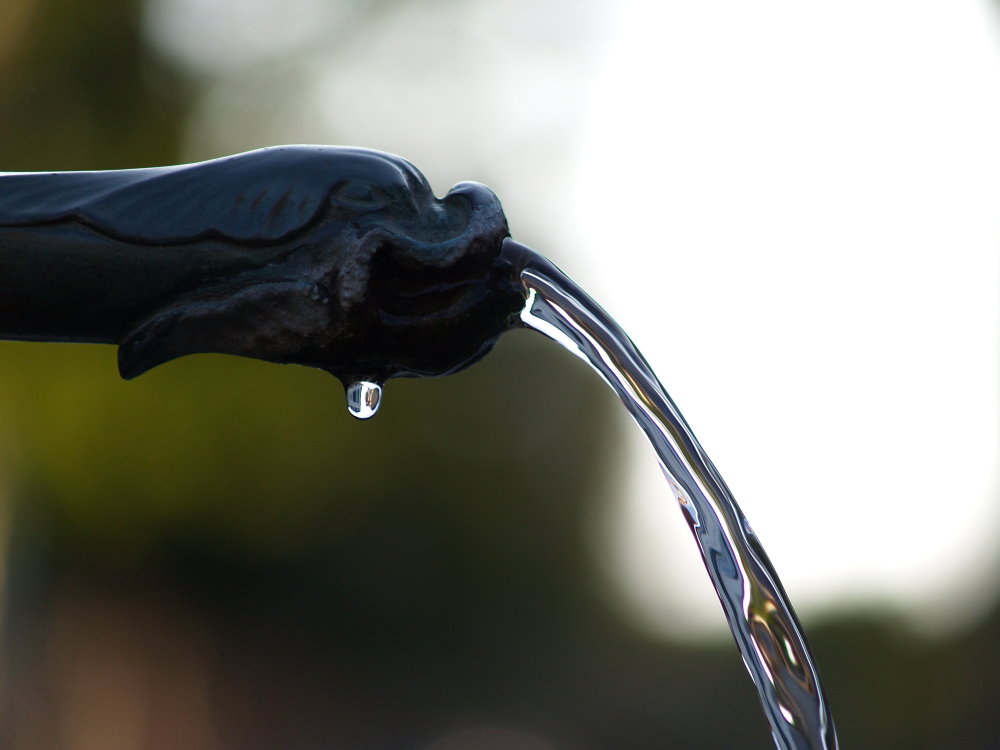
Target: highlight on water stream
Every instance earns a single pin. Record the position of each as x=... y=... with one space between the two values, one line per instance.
x=757 y=610
x=344 y=259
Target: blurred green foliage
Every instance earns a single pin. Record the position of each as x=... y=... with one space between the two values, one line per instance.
x=265 y=459
x=81 y=90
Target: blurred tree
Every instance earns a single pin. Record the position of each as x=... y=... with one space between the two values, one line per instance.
x=81 y=90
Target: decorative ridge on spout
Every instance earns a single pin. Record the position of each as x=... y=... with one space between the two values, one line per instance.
x=333 y=257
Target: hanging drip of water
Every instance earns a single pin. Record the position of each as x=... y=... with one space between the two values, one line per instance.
x=761 y=619
x=363 y=398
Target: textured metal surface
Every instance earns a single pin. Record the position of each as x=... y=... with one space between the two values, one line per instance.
x=338 y=258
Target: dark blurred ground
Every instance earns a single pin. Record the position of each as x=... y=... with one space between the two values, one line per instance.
x=216 y=556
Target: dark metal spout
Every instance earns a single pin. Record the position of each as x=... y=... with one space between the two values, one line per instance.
x=337 y=258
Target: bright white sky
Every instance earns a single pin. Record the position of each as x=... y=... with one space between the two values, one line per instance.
x=794 y=210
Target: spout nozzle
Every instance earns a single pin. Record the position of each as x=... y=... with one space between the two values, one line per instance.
x=516 y=255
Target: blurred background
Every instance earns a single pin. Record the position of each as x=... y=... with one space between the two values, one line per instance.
x=790 y=206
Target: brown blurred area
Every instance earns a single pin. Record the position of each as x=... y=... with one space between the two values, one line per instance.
x=216 y=557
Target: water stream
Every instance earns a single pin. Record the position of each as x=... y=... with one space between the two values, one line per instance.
x=757 y=609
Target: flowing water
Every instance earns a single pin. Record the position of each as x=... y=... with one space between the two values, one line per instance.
x=760 y=616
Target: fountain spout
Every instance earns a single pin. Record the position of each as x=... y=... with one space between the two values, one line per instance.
x=337 y=258
x=343 y=259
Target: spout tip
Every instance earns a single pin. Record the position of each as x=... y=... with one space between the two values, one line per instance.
x=515 y=255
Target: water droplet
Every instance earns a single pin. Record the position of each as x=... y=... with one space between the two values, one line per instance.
x=363 y=398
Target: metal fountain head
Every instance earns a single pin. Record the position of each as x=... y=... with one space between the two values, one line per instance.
x=332 y=257
x=344 y=259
